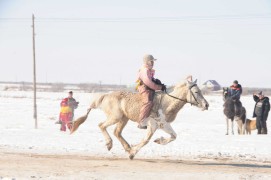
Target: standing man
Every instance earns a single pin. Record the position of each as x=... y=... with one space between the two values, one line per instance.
x=261 y=110
x=147 y=87
x=235 y=94
x=72 y=103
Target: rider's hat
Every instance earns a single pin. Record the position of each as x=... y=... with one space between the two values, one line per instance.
x=148 y=57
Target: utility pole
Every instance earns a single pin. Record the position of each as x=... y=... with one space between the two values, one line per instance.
x=34 y=74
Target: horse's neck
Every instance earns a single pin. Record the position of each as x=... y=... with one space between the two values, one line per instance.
x=172 y=105
x=180 y=93
x=228 y=102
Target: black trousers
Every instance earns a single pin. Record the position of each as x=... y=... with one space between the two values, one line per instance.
x=261 y=125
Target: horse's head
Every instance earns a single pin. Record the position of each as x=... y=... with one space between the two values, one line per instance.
x=194 y=95
x=225 y=93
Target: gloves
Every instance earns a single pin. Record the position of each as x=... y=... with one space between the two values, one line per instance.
x=164 y=88
x=156 y=81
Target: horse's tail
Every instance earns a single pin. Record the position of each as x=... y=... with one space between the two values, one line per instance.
x=95 y=104
x=75 y=124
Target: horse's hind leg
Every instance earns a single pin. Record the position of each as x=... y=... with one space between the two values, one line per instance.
x=240 y=125
x=103 y=126
x=117 y=132
x=244 y=128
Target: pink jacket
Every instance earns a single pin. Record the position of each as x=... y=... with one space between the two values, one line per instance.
x=146 y=76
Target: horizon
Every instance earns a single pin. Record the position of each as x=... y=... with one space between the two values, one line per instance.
x=95 y=83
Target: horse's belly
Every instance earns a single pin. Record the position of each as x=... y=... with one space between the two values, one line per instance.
x=132 y=110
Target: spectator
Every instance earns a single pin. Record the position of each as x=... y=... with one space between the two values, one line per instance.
x=67 y=111
x=261 y=110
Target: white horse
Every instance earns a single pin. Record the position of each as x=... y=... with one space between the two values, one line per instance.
x=120 y=107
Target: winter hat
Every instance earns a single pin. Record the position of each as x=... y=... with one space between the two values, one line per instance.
x=147 y=58
x=235 y=82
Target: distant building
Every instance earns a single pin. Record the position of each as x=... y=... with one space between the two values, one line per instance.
x=212 y=85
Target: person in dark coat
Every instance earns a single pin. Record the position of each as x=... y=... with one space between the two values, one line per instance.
x=261 y=110
x=71 y=103
x=235 y=94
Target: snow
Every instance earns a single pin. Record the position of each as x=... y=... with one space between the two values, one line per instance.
x=200 y=134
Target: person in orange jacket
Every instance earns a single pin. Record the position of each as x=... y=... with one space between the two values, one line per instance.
x=67 y=111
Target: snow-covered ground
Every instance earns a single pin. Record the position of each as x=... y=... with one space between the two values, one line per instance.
x=201 y=134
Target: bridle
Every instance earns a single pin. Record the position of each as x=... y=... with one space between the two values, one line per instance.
x=191 y=95
x=226 y=94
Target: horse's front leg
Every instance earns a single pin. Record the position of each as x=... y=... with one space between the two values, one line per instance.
x=227 y=122
x=165 y=126
x=232 y=127
x=152 y=127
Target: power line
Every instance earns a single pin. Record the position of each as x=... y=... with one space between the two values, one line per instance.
x=145 y=19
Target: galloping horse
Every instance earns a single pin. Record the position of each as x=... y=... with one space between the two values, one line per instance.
x=120 y=107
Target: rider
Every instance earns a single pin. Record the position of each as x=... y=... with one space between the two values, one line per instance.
x=235 y=94
x=147 y=85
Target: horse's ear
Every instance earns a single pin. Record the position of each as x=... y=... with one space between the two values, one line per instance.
x=189 y=78
x=195 y=82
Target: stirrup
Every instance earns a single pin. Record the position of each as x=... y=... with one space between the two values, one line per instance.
x=142 y=127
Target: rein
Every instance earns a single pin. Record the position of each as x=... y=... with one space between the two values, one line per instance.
x=175 y=97
x=192 y=94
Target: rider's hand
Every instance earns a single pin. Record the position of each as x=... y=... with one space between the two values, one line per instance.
x=164 y=88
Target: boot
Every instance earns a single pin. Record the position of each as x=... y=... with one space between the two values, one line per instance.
x=259 y=131
x=143 y=124
x=58 y=122
x=264 y=131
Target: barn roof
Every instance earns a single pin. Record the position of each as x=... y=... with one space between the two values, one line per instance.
x=214 y=82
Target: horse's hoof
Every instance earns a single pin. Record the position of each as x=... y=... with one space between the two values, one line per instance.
x=109 y=146
x=131 y=157
x=157 y=141
x=227 y=134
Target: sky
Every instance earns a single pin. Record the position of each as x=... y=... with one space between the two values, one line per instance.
x=92 y=41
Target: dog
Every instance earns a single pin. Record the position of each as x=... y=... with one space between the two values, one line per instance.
x=250 y=125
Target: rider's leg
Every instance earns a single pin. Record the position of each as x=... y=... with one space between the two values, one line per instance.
x=238 y=108
x=147 y=98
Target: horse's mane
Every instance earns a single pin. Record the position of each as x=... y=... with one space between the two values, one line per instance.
x=183 y=83
x=180 y=84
